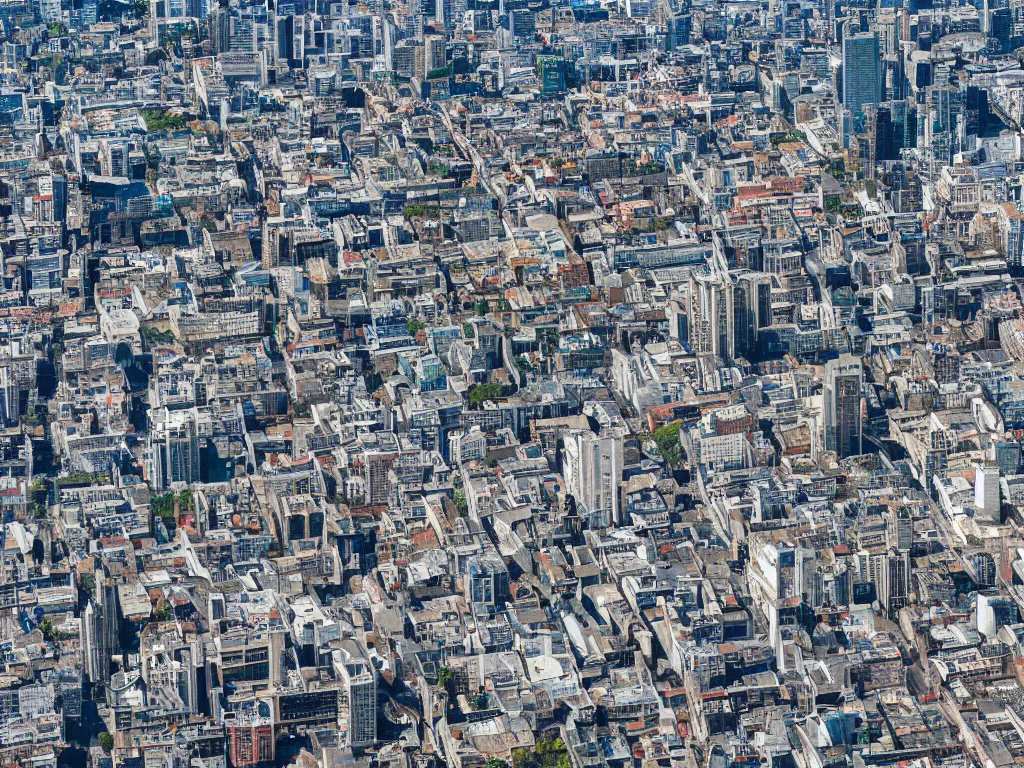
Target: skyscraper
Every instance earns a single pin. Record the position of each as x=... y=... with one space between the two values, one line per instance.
x=100 y=636
x=862 y=78
x=843 y=379
x=90 y=12
x=1007 y=456
x=727 y=313
x=593 y=468
x=174 y=448
x=50 y=11
x=522 y=24
x=9 y=396
x=884 y=136
x=894 y=584
x=899 y=533
x=752 y=307
x=986 y=491
x=711 y=315
x=360 y=681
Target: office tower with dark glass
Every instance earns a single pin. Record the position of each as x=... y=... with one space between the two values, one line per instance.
x=843 y=379
x=862 y=74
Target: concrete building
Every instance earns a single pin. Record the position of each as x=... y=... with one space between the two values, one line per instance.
x=592 y=466
x=843 y=381
x=173 y=448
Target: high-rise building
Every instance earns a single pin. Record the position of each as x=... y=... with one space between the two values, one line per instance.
x=243 y=33
x=814 y=61
x=50 y=11
x=982 y=568
x=434 y=54
x=10 y=409
x=1007 y=456
x=522 y=24
x=994 y=611
x=405 y=59
x=175 y=9
x=899 y=529
x=551 y=71
x=843 y=380
x=250 y=744
x=884 y=138
x=100 y=631
x=986 y=491
x=1011 y=236
x=220 y=29
x=487 y=583
x=376 y=468
x=113 y=158
x=1001 y=27
x=728 y=312
x=752 y=311
x=894 y=585
x=174 y=448
x=59 y=187
x=90 y=12
x=711 y=315
x=360 y=680
x=679 y=27
x=284 y=34
x=250 y=734
x=447 y=13
x=638 y=9
x=593 y=468
x=862 y=78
